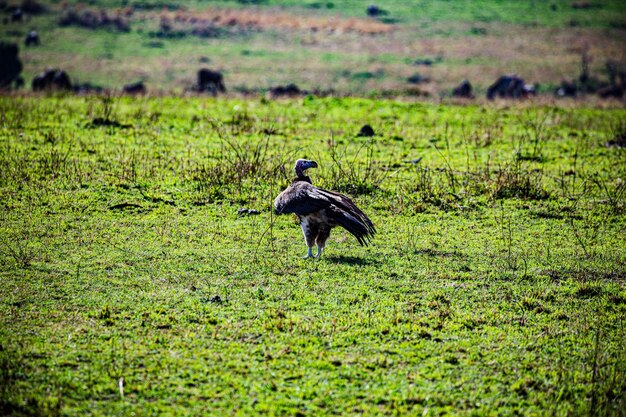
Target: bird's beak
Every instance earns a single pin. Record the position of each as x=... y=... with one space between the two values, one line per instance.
x=312 y=164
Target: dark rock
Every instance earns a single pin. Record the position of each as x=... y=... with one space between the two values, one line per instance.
x=210 y=81
x=510 y=86
x=375 y=11
x=52 y=79
x=366 y=131
x=417 y=79
x=135 y=88
x=32 y=39
x=216 y=299
x=463 y=90
x=289 y=90
x=426 y=62
x=10 y=64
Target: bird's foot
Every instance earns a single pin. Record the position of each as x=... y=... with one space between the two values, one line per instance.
x=319 y=251
x=309 y=254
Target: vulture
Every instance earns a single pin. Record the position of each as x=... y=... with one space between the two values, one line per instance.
x=320 y=210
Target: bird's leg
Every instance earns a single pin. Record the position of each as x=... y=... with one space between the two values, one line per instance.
x=320 y=240
x=309 y=253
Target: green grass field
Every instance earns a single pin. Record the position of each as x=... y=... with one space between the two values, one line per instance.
x=131 y=286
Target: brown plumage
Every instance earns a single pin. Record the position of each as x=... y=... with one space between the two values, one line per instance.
x=320 y=210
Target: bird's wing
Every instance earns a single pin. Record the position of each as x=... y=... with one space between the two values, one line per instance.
x=301 y=198
x=345 y=204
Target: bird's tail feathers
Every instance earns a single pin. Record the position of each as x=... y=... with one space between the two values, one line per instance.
x=347 y=206
x=362 y=231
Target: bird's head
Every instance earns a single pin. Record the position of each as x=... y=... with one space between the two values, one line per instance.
x=302 y=165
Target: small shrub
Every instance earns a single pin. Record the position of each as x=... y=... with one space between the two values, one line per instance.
x=613 y=191
x=514 y=181
x=357 y=179
x=18 y=250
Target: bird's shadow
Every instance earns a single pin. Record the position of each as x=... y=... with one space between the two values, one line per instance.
x=349 y=260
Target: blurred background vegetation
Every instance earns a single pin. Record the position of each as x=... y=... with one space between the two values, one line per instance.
x=419 y=48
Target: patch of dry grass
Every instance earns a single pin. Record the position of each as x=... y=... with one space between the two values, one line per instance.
x=273 y=19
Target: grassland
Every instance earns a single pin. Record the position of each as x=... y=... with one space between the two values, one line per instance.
x=131 y=285
x=327 y=46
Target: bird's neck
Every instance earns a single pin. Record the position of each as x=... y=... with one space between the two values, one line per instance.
x=302 y=178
